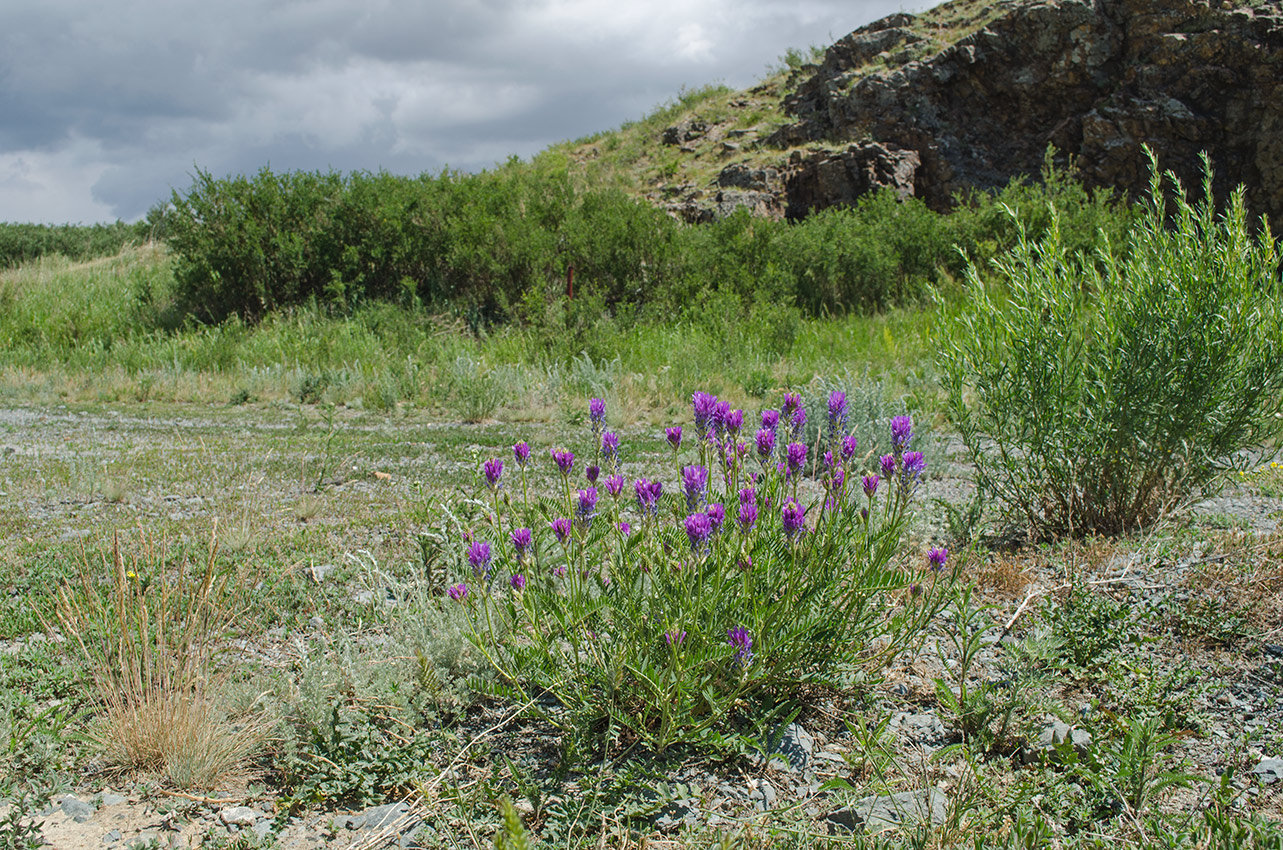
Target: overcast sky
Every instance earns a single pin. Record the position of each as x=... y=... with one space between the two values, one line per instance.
x=104 y=107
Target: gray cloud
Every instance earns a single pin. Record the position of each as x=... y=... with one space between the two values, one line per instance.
x=105 y=107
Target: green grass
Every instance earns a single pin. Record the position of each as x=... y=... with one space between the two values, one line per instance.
x=100 y=332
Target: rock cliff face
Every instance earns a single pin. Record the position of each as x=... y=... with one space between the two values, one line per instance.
x=1099 y=79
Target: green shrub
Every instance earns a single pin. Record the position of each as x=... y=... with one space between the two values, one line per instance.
x=1095 y=396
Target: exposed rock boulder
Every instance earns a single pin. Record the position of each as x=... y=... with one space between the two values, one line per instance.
x=1099 y=79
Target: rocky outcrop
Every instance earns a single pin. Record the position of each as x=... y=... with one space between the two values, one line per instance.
x=1099 y=79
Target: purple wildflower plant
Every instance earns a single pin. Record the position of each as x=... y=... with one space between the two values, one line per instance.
x=597 y=414
x=798 y=423
x=837 y=412
x=648 y=493
x=770 y=419
x=912 y=467
x=849 y=446
x=559 y=571
x=793 y=517
x=795 y=458
x=587 y=508
x=792 y=401
x=479 y=557
x=457 y=592
x=765 y=444
x=493 y=470
x=592 y=473
x=870 y=483
x=716 y=516
x=560 y=529
x=521 y=453
x=734 y=422
x=705 y=407
x=739 y=638
x=674 y=436
x=937 y=557
x=887 y=465
x=901 y=432
x=748 y=496
x=721 y=411
x=615 y=485
x=522 y=541
x=564 y=459
x=747 y=517
x=624 y=528
x=698 y=529
x=610 y=449
x=695 y=484
x=674 y=637
x=518 y=582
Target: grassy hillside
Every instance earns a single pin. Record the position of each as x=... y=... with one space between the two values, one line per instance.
x=635 y=158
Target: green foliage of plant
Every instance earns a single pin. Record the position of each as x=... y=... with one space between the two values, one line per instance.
x=662 y=622
x=1095 y=396
x=20 y=828
x=1087 y=627
x=22 y=243
x=359 y=755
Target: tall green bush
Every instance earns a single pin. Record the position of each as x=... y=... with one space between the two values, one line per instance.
x=1094 y=396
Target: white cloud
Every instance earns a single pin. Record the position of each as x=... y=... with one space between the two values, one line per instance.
x=104 y=107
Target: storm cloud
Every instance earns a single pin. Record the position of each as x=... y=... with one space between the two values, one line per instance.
x=106 y=107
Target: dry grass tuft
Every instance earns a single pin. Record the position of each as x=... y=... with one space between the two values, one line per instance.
x=151 y=635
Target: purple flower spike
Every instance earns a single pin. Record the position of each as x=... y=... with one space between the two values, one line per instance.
x=479 y=556
x=458 y=592
x=936 y=557
x=522 y=540
x=565 y=459
x=587 y=504
x=559 y=572
x=674 y=435
x=624 y=528
x=828 y=460
x=748 y=496
x=739 y=638
x=914 y=464
x=675 y=637
x=716 y=516
x=592 y=473
x=796 y=458
x=798 y=422
x=596 y=413
x=561 y=528
x=493 y=470
x=518 y=582
x=695 y=483
x=521 y=453
x=747 y=515
x=794 y=518
x=615 y=485
x=837 y=411
x=887 y=464
x=765 y=444
x=734 y=422
x=870 y=483
x=648 y=493
x=849 y=445
x=901 y=432
x=792 y=402
x=610 y=447
x=721 y=412
x=698 y=529
x=705 y=406
x=770 y=419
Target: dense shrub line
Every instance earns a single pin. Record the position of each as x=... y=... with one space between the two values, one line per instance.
x=499 y=246
x=22 y=243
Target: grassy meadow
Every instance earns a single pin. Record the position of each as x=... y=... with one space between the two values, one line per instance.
x=991 y=561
